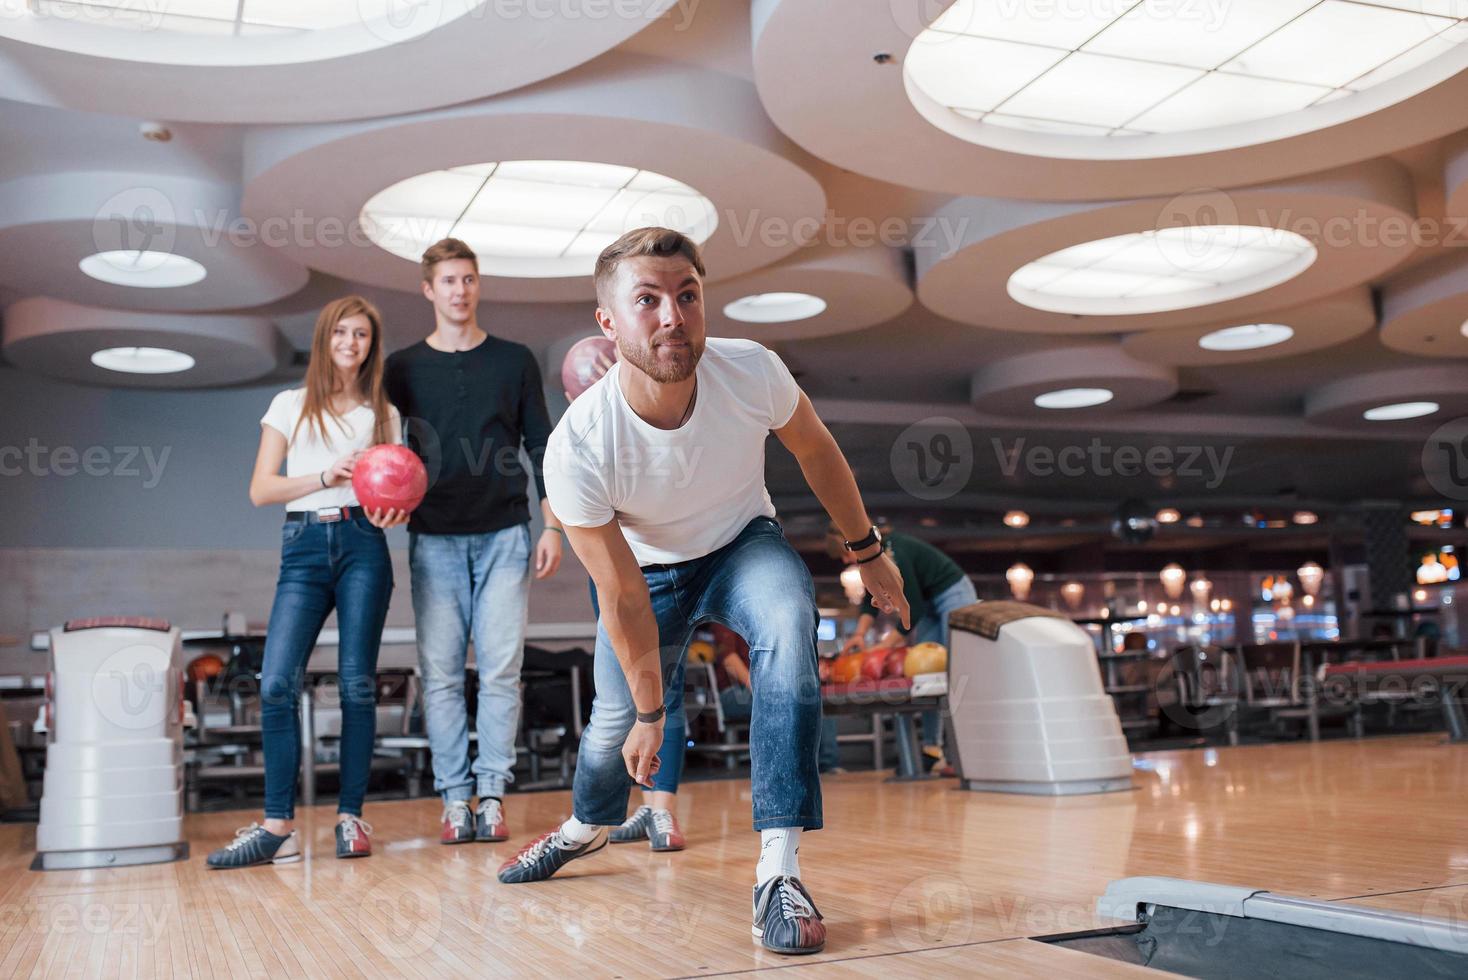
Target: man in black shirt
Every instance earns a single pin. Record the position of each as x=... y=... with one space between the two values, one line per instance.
x=468 y=401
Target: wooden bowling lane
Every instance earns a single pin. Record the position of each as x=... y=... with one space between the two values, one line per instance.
x=913 y=878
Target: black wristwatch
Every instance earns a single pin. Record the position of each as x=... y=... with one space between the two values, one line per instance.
x=651 y=717
x=873 y=537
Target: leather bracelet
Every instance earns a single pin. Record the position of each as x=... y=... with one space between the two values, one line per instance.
x=559 y=530
x=879 y=554
x=652 y=717
x=323 y=479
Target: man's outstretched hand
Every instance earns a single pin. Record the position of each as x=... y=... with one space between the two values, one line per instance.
x=884 y=582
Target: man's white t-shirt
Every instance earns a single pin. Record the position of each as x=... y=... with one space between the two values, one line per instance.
x=308 y=453
x=679 y=493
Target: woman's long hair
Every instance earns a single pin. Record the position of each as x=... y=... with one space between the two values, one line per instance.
x=322 y=380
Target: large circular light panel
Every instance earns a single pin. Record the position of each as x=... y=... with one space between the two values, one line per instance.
x=533 y=218
x=1114 y=73
x=1160 y=270
x=185 y=31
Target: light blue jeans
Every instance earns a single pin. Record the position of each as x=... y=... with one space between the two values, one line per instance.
x=933 y=627
x=475 y=584
x=760 y=588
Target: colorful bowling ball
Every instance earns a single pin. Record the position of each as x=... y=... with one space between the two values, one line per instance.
x=701 y=652
x=389 y=477
x=823 y=669
x=895 y=663
x=847 y=668
x=585 y=363
x=926 y=658
x=873 y=663
x=205 y=666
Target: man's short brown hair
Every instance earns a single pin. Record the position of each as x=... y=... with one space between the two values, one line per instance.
x=442 y=251
x=639 y=242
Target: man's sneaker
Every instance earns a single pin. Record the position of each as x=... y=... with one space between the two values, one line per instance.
x=352 y=838
x=546 y=855
x=458 y=823
x=786 y=919
x=255 y=845
x=489 y=821
x=634 y=828
x=665 y=835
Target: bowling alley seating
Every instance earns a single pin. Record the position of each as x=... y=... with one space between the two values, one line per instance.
x=1440 y=682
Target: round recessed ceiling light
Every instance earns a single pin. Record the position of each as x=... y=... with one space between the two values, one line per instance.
x=1109 y=76
x=1074 y=398
x=1160 y=270
x=775 y=307
x=143 y=269
x=192 y=31
x=533 y=219
x=142 y=360
x=1400 y=411
x=1251 y=336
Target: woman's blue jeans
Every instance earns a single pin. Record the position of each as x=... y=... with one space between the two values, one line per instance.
x=344 y=566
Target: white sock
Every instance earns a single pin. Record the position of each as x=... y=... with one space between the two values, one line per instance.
x=779 y=854
x=580 y=833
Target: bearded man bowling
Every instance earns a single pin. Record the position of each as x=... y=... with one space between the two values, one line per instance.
x=657 y=474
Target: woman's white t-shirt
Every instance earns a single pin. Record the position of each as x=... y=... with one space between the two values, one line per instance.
x=677 y=493
x=308 y=454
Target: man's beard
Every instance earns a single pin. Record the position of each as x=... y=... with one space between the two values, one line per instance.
x=670 y=370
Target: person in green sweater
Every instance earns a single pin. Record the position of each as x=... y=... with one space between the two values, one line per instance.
x=933 y=585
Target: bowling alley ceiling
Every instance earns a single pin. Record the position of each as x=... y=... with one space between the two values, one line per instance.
x=1243 y=220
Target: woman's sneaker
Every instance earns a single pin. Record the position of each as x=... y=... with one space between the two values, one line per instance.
x=458 y=823
x=786 y=919
x=254 y=845
x=634 y=827
x=546 y=855
x=352 y=838
x=489 y=821
x=665 y=835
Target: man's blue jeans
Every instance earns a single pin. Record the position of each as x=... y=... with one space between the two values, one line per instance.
x=343 y=566
x=475 y=584
x=934 y=627
x=757 y=586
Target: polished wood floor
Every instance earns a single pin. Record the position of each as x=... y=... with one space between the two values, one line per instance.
x=915 y=879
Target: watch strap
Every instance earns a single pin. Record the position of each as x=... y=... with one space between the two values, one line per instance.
x=873 y=537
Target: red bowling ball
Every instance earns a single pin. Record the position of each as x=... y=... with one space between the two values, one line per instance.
x=389 y=477
x=585 y=363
